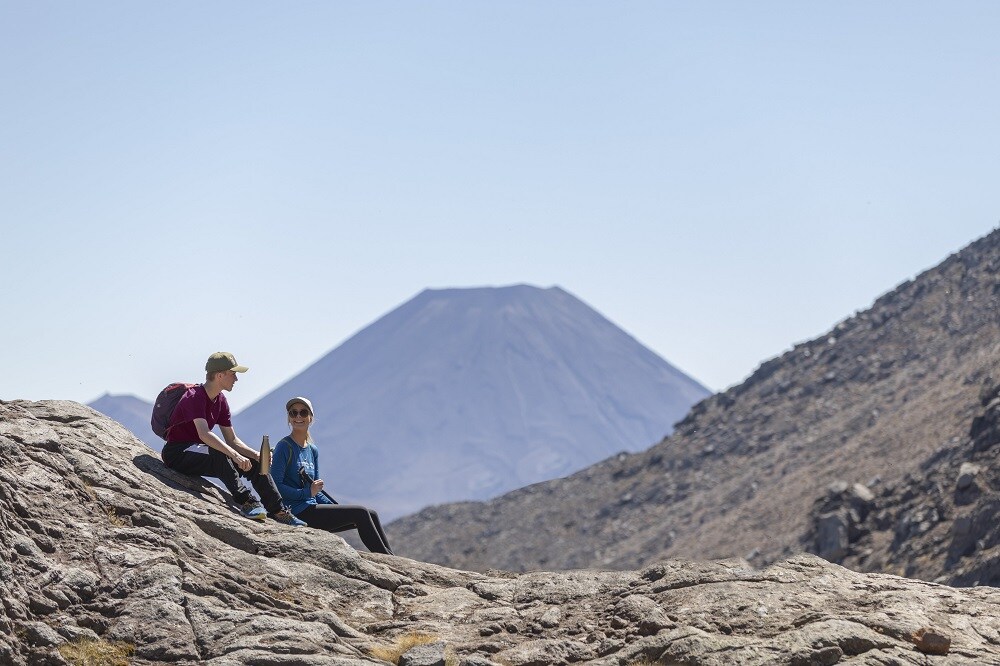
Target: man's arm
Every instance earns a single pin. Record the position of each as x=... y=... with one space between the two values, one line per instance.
x=209 y=438
x=237 y=444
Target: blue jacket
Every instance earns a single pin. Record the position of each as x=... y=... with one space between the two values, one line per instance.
x=286 y=461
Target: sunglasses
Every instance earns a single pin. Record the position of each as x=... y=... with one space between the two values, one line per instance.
x=295 y=413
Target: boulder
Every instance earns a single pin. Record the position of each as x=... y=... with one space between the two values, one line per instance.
x=966 y=476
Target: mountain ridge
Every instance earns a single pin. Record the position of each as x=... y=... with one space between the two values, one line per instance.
x=626 y=426
x=470 y=392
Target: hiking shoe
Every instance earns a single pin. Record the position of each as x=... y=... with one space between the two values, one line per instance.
x=286 y=517
x=253 y=510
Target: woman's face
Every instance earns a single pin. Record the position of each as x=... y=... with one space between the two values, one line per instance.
x=299 y=416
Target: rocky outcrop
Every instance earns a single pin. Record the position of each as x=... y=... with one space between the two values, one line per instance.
x=839 y=520
x=939 y=523
x=131 y=412
x=104 y=552
x=873 y=398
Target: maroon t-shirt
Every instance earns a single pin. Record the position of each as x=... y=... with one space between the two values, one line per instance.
x=195 y=405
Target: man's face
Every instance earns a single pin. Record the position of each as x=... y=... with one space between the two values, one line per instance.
x=228 y=379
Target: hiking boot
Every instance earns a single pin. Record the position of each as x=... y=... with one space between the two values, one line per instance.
x=253 y=510
x=286 y=517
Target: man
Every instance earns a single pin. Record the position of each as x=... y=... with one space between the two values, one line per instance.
x=228 y=459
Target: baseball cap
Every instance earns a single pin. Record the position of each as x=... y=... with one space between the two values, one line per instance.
x=304 y=401
x=223 y=361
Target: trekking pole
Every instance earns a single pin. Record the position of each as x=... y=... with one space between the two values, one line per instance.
x=309 y=480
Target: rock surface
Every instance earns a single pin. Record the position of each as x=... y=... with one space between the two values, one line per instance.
x=102 y=546
x=869 y=403
x=131 y=412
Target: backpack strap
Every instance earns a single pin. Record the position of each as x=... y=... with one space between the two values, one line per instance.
x=291 y=452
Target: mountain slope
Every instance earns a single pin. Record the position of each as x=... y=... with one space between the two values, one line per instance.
x=466 y=393
x=865 y=403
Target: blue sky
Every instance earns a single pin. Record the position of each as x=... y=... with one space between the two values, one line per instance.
x=721 y=179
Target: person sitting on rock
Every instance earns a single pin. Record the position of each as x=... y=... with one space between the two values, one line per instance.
x=295 y=467
x=231 y=461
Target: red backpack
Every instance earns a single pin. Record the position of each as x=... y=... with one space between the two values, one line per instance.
x=164 y=406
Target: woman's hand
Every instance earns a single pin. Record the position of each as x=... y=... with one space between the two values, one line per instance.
x=316 y=486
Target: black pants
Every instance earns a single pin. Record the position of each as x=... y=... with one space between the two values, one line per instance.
x=218 y=465
x=341 y=517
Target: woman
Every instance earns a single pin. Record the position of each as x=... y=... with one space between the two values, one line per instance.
x=295 y=466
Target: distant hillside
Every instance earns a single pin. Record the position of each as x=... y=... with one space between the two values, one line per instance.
x=131 y=412
x=467 y=393
x=869 y=402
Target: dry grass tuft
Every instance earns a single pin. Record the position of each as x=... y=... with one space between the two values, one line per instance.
x=114 y=518
x=97 y=653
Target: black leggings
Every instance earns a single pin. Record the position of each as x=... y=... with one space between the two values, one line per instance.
x=341 y=517
x=218 y=465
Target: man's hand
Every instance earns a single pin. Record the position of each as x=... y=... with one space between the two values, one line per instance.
x=316 y=487
x=241 y=463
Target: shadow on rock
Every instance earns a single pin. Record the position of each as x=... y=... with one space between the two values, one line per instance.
x=196 y=486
